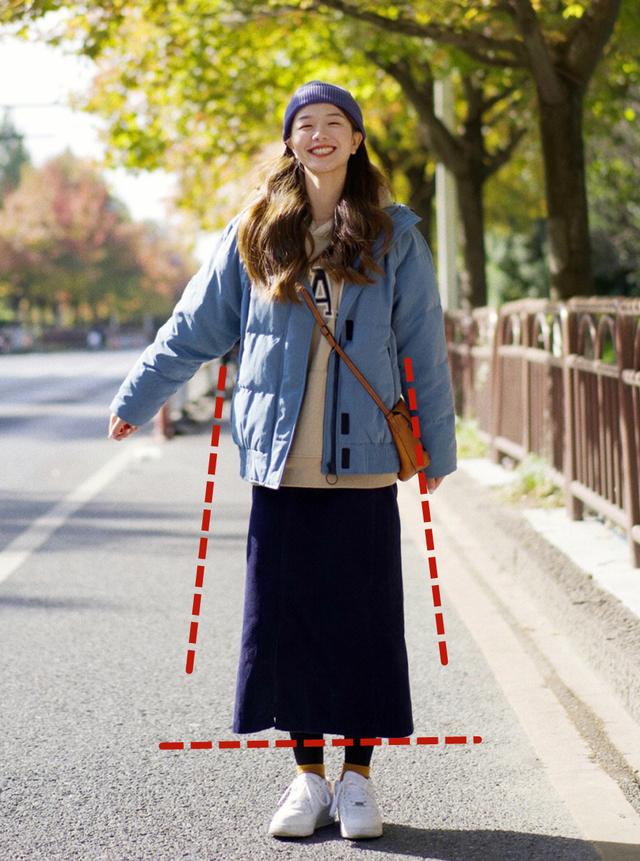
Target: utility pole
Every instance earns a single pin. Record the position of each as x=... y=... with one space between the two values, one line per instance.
x=446 y=208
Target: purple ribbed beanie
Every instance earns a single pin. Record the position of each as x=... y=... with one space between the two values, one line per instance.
x=319 y=91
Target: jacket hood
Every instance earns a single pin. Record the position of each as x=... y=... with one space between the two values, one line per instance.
x=403 y=218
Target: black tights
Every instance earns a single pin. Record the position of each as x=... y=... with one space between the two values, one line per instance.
x=356 y=754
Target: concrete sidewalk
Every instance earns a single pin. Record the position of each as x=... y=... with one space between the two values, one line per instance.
x=577 y=573
x=601 y=551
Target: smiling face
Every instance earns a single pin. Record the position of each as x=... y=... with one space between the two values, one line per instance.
x=322 y=138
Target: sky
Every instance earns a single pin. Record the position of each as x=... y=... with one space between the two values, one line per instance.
x=38 y=79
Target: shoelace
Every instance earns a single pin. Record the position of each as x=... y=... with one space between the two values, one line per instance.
x=300 y=791
x=353 y=794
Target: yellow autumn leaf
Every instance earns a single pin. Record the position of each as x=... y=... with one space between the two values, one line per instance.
x=573 y=10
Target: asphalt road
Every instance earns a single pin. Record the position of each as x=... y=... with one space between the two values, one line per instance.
x=98 y=552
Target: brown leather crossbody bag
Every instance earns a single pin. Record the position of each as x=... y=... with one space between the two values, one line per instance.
x=413 y=456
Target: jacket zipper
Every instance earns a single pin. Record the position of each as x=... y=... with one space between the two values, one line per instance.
x=334 y=418
x=300 y=399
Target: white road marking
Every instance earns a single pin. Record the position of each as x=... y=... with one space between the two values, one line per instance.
x=27 y=542
x=593 y=798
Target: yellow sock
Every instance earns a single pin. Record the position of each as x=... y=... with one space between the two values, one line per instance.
x=316 y=768
x=364 y=770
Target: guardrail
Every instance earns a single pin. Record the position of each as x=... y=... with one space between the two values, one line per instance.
x=561 y=379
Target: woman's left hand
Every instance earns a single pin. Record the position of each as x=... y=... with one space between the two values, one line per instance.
x=434 y=483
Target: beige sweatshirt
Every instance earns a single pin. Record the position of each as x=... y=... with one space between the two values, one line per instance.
x=302 y=468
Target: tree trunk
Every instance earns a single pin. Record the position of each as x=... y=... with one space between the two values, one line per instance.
x=566 y=193
x=422 y=192
x=469 y=190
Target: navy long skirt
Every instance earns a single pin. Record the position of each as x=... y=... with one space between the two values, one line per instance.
x=323 y=647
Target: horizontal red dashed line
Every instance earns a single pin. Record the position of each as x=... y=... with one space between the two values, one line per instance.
x=262 y=743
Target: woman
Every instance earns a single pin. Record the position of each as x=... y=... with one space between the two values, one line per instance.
x=323 y=648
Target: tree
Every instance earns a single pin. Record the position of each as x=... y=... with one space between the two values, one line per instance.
x=68 y=248
x=559 y=46
x=463 y=152
x=207 y=48
x=613 y=162
x=165 y=69
x=486 y=132
x=13 y=154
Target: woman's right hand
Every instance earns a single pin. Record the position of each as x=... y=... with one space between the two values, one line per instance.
x=119 y=428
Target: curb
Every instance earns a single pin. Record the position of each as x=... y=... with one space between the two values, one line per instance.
x=604 y=631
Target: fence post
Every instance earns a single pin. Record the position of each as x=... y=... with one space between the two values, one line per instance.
x=574 y=506
x=625 y=337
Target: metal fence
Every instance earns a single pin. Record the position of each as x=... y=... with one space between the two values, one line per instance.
x=562 y=380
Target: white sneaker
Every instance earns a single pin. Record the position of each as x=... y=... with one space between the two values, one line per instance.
x=355 y=803
x=304 y=806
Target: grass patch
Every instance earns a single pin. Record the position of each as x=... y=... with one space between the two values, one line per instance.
x=532 y=485
x=468 y=439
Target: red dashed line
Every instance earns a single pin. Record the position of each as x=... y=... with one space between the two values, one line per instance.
x=426 y=517
x=263 y=743
x=202 y=549
x=433 y=574
x=199 y=576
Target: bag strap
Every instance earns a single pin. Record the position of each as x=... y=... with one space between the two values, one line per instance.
x=335 y=346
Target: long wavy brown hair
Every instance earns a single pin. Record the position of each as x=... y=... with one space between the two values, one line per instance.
x=272 y=231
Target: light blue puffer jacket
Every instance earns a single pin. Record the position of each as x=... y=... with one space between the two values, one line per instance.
x=377 y=325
